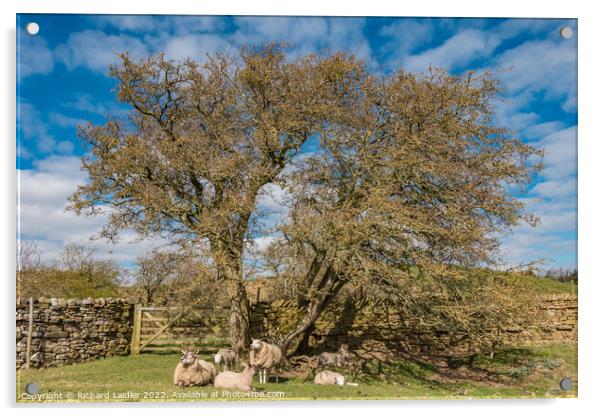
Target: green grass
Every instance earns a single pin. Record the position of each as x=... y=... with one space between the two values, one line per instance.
x=526 y=373
x=550 y=286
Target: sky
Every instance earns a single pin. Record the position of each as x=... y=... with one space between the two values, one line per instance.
x=62 y=82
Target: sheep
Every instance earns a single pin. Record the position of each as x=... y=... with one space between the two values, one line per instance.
x=265 y=357
x=225 y=359
x=335 y=359
x=240 y=381
x=192 y=371
x=331 y=377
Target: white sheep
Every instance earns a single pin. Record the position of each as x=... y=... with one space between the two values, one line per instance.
x=331 y=377
x=335 y=359
x=265 y=357
x=192 y=371
x=240 y=381
x=225 y=359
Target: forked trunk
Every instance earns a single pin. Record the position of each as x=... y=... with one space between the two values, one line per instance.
x=314 y=311
x=329 y=287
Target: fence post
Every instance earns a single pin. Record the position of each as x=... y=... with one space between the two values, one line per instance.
x=135 y=348
x=572 y=287
x=258 y=294
x=29 y=331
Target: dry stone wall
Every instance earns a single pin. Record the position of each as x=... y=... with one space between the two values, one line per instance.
x=72 y=330
x=379 y=329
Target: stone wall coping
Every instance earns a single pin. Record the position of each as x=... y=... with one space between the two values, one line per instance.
x=73 y=301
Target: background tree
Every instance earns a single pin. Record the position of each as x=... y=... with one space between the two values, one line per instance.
x=562 y=275
x=153 y=272
x=200 y=143
x=413 y=180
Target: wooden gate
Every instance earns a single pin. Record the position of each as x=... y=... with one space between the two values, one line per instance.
x=169 y=329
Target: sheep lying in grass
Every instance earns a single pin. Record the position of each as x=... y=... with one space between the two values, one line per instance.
x=240 y=381
x=192 y=371
x=335 y=359
x=265 y=357
x=331 y=377
x=225 y=359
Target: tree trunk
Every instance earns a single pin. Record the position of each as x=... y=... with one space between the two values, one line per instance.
x=229 y=261
x=329 y=286
x=307 y=322
x=240 y=325
x=303 y=347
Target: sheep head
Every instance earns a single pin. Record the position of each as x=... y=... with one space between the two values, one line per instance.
x=256 y=344
x=189 y=357
x=251 y=369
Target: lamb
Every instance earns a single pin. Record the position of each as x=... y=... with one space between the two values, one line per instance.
x=265 y=357
x=331 y=377
x=336 y=359
x=192 y=371
x=225 y=359
x=240 y=381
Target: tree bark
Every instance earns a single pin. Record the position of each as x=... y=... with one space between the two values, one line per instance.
x=240 y=325
x=228 y=256
x=307 y=322
x=303 y=347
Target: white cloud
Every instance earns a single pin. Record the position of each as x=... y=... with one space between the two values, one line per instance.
x=62 y=120
x=460 y=49
x=95 y=50
x=195 y=46
x=536 y=131
x=126 y=22
x=511 y=28
x=43 y=193
x=88 y=104
x=149 y=24
x=33 y=56
x=407 y=34
x=560 y=156
x=262 y=243
x=570 y=105
x=32 y=128
x=555 y=188
x=541 y=66
x=305 y=34
x=554 y=201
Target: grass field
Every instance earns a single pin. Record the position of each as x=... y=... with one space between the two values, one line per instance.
x=551 y=286
x=526 y=373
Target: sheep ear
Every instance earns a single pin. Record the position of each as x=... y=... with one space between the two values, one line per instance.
x=197 y=352
x=183 y=352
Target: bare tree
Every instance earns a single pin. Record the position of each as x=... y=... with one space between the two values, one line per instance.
x=154 y=270
x=201 y=141
x=28 y=255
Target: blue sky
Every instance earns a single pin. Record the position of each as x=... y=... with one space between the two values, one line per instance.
x=62 y=82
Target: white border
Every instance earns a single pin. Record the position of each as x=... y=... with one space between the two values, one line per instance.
x=589 y=188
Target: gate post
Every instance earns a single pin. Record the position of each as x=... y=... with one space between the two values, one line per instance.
x=136 y=328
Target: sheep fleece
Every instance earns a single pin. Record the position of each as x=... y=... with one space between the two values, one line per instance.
x=268 y=356
x=327 y=377
x=231 y=380
x=200 y=373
